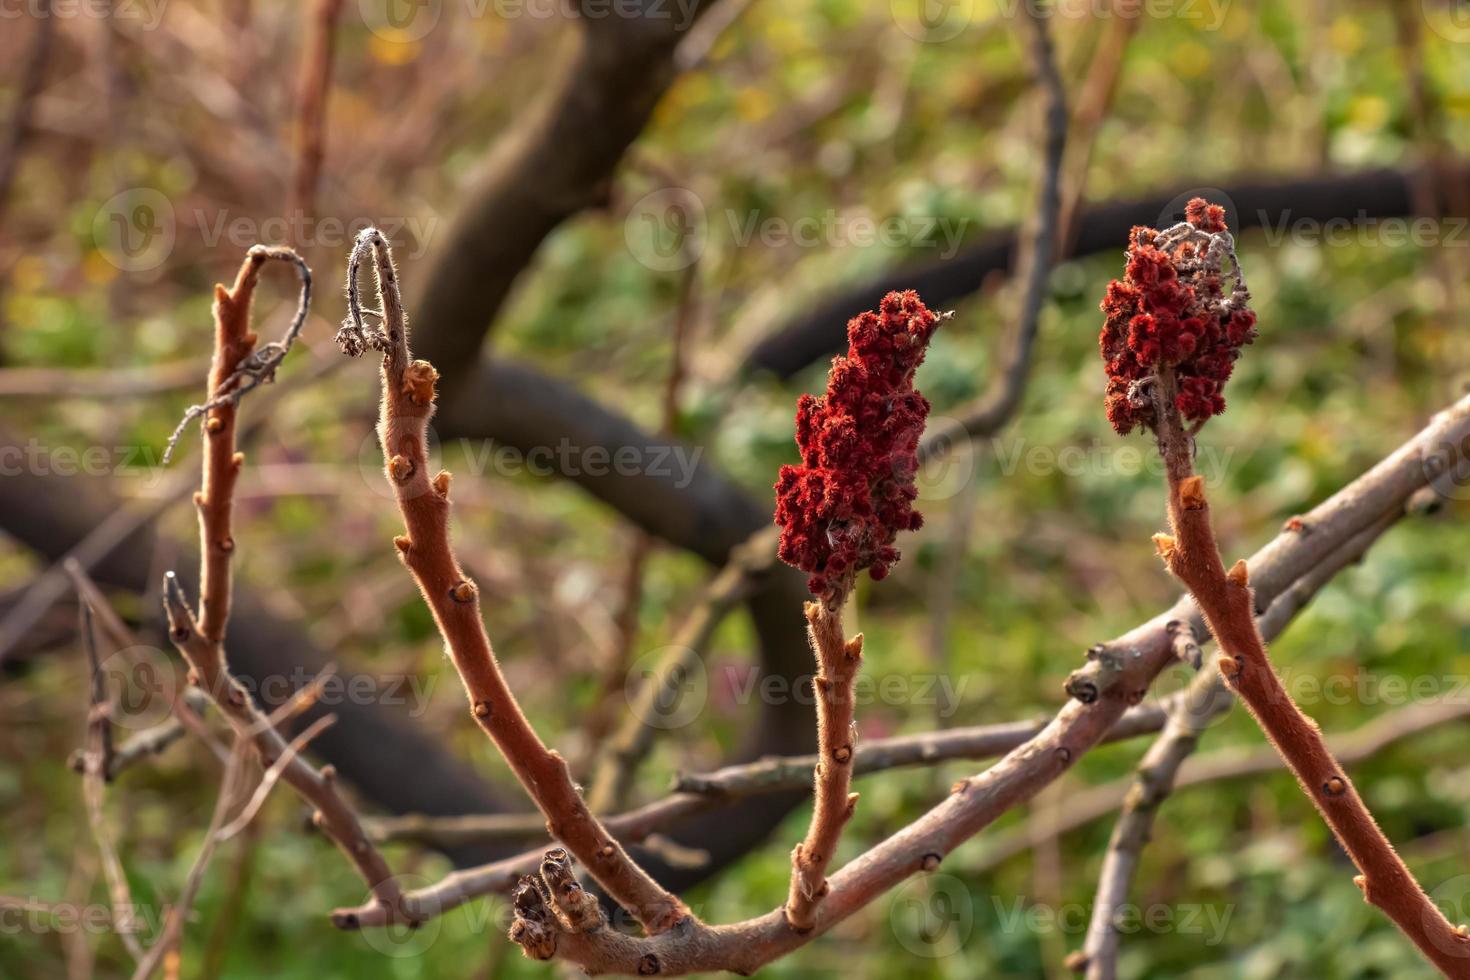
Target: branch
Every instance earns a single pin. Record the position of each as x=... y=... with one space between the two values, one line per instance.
x=1030 y=765
x=838 y=661
x=1259 y=203
x=201 y=640
x=1351 y=748
x=408 y=401
x=1205 y=699
x=25 y=100
x=634 y=737
x=1038 y=253
x=1193 y=556
x=312 y=88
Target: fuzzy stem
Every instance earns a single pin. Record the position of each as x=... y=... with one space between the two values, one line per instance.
x=838 y=661
x=408 y=402
x=1226 y=599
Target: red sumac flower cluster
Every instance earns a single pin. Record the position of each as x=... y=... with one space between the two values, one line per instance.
x=1171 y=310
x=841 y=509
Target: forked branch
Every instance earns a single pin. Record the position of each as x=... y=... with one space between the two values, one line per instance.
x=407 y=404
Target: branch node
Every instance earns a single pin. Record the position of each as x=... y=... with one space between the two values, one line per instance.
x=1334 y=786
x=930 y=861
x=463 y=591
x=481 y=709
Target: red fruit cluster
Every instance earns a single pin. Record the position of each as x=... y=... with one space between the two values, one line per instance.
x=1171 y=309
x=841 y=510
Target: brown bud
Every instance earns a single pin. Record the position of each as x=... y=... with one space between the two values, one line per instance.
x=1335 y=786
x=463 y=591
x=1192 y=493
x=481 y=709
x=1239 y=574
x=400 y=468
x=214 y=424
x=930 y=862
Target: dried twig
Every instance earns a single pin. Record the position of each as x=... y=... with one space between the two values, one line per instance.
x=408 y=401
x=232 y=788
x=630 y=744
x=249 y=366
x=94 y=768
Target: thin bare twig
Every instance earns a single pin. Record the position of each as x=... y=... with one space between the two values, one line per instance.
x=98 y=749
x=1038 y=252
x=312 y=88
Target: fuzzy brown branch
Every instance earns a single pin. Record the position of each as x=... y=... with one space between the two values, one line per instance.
x=838 y=662
x=1206 y=698
x=1227 y=601
x=201 y=640
x=408 y=401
